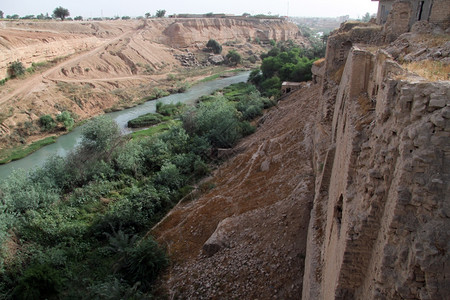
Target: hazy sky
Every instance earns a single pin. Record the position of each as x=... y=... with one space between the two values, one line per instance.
x=133 y=8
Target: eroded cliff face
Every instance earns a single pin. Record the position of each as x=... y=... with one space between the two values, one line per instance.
x=380 y=225
x=186 y=32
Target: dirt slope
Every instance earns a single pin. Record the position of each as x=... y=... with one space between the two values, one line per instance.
x=258 y=212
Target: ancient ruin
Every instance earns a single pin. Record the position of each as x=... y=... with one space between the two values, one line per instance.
x=375 y=140
x=379 y=226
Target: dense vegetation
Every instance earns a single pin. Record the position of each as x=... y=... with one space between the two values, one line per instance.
x=283 y=63
x=76 y=228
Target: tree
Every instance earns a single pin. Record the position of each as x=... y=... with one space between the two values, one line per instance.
x=366 y=17
x=147 y=15
x=100 y=134
x=233 y=58
x=66 y=119
x=78 y=18
x=214 y=46
x=61 y=12
x=160 y=13
x=1 y=14
x=15 y=69
x=47 y=122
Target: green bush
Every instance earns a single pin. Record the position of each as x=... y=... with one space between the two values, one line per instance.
x=149 y=119
x=129 y=159
x=115 y=289
x=217 y=121
x=39 y=281
x=16 y=69
x=144 y=262
x=66 y=119
x=100 y=134
x=169 y=109
x=233 y=58
x=214 y=46
x=47 y=123
x=19 y=193
x=169 y=176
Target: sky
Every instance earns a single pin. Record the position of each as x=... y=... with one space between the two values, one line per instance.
x=134 y=8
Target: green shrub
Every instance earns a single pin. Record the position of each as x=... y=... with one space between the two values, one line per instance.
x=149 y=119
x=100 y=134
x=47 y=123
x=169 y=109
x=217 y=121
x=16 y=69
x=233 y=58
x=39 y=281
x=181 y=87
x=66 y=119
x=214 y=46
x=129 y=158
x=246 y=128
x=20 y=193
x=169 y=176
x=144 y=262
x=115 y=289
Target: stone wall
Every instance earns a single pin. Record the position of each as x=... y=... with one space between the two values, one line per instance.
x=379 y=227
x=440 y=13
x=398 y=20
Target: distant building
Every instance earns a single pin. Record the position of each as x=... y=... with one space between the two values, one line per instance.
x=287 y=87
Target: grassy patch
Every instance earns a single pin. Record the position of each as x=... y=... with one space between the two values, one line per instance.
x=217 y=75
x=23 y=151
x=154 y=129
x=149 y=119
x=429 y=69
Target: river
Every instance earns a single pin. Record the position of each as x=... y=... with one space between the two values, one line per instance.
x=66 y=143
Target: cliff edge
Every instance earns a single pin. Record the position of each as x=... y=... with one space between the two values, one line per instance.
x=367 y=146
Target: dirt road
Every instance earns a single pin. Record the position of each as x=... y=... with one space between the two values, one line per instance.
x=21 y=88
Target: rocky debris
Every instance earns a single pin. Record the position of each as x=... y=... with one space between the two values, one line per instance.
x=187 y=60
x=216 y=59
x=242 y=262
x=422 y=43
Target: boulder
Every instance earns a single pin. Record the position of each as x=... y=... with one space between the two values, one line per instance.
x=219 y=238
x=216 y=59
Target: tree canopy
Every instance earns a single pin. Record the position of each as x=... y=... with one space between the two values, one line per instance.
x=214 y=46
x=160 y=13
x=61 y=12
x=233 y=58
x=282 y=63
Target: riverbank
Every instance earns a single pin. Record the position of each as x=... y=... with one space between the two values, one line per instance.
x=65 y=143
x=23 y=151
x=20 y=151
